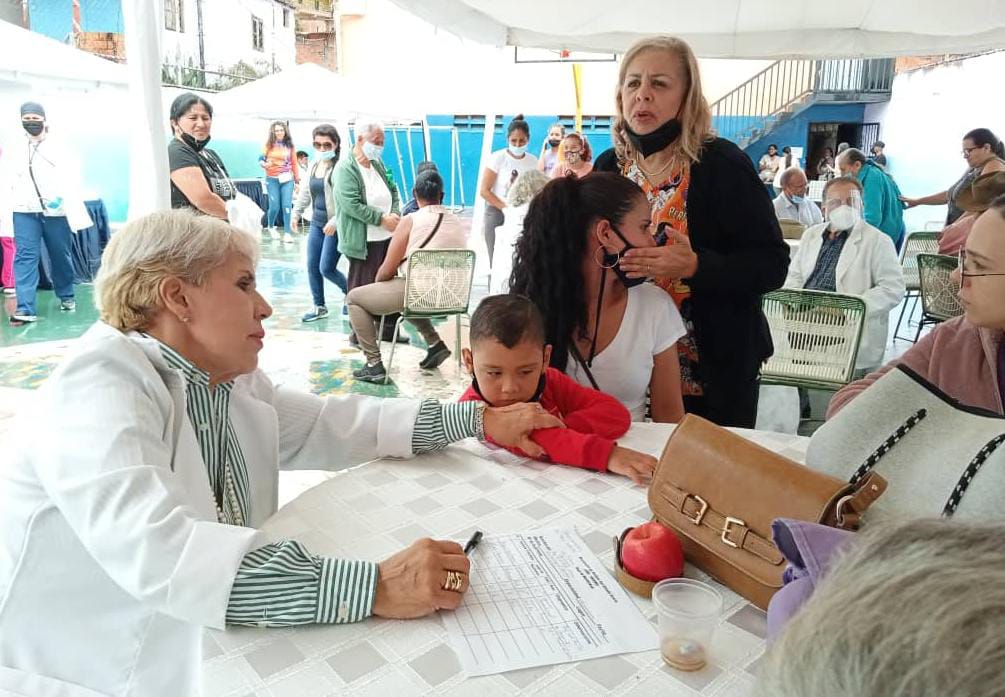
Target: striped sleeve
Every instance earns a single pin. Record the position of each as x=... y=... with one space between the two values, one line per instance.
x=439 y=424
x=282 y=584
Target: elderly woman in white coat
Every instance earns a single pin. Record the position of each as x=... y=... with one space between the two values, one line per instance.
x=848 y=255
x=128 y=521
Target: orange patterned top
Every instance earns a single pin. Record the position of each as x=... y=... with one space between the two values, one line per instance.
x=669 y=205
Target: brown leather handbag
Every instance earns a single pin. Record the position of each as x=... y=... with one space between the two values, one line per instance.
x=720 y=493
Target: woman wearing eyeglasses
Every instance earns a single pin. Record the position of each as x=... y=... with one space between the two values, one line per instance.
x=964 y=357
x=984 y=154
x=318 y=197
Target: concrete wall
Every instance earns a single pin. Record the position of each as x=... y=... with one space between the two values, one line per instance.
x=229 y=36
x=924 y=123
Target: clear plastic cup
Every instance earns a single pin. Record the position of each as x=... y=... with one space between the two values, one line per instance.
x=689 y=612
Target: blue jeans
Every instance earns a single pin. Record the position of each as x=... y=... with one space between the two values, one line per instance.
x=322 y=258
x=30 y=231
x=280 y=196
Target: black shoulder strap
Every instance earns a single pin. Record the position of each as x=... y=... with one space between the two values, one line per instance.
x=428 y=238
x=574 y=350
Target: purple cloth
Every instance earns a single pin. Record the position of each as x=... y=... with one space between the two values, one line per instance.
x=808 y=547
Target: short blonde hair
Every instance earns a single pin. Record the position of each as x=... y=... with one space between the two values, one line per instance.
x=914 y=608
x=695 y=114
x=527 y=185
x=141 y=255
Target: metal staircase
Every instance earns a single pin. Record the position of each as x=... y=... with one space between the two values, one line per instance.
x=787 y=87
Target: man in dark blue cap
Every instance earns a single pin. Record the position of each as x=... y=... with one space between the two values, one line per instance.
x=42 y=204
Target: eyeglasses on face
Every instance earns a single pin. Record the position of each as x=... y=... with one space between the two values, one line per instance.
x=324 y=147
x=961 y=265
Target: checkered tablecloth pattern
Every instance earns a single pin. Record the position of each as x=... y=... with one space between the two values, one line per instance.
x=374 y=510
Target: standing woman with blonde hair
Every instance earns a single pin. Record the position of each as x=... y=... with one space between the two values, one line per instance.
x=723 y=245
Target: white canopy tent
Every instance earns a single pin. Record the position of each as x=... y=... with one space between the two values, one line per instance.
x=729 y=28
x=311 y=93
x=45 y=64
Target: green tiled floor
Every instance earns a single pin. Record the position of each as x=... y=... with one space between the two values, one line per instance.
x=315 y=356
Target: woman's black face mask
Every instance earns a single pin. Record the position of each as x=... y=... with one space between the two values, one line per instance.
x=613 y=261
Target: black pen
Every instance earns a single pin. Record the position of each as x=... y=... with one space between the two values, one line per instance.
x=473 y=542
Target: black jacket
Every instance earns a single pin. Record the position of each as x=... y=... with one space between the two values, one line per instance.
x=741 y=255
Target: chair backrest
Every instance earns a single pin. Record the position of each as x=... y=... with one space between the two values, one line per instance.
x=816 y=336
x=915 y=244
x=791 y=229
x=438 y=281
x=815 y=190
x=938 y=288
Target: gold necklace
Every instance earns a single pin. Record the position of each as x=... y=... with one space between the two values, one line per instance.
x=653 y=177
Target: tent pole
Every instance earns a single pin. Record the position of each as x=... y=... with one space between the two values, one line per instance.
x=148 y=162
x=401 y=162
x=460 y=167
x=411 y=153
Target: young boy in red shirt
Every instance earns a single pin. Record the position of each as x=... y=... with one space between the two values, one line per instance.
x=508 y=361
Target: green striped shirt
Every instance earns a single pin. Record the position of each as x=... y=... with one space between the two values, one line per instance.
x=282 y=584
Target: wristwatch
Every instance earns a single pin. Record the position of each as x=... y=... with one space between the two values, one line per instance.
x=479 y=420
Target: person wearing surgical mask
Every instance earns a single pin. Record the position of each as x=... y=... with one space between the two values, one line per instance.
x=792 y=204
x=574 y=157
x=199 y=179
x=609 y=330
x=498 y=175
x=847 y=255
x=725 y=245
x=367 y=207
x=40 y=203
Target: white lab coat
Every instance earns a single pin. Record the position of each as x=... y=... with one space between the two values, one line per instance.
x=111 y=557
x=57 y=176
x=807 y=212
x=868 y=267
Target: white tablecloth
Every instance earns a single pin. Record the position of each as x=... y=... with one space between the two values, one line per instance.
x=374 y=510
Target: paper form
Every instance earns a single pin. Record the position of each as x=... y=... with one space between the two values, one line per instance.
x=538 y=599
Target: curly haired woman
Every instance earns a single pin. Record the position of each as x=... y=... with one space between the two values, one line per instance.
x=608 y=331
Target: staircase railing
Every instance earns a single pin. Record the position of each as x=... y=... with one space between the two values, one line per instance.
x=757 y=103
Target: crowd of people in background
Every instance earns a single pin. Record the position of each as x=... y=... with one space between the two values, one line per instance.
x=634 y=293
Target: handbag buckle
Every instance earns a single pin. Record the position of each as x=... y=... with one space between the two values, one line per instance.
x=725 y=530
x=700 y=514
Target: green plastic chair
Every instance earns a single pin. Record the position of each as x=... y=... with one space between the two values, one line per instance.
x=437 y=284
x=816 y=336
x=916 y=243
x=939 y=300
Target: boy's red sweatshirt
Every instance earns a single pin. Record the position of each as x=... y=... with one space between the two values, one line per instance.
x=592 y=419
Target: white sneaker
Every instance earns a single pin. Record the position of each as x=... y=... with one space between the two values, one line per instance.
x=288 y=238
x=9 y=291
x=23 y=318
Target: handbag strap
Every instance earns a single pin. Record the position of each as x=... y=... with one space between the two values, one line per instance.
x=425 y=241
x=887 y=445
x=574 y=350
x=968 y=475
x=733 y=532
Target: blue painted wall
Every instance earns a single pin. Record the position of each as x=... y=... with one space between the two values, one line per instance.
x=54 y=18
x=795 y=131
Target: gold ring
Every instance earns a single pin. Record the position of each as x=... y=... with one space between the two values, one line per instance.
x=454 y=582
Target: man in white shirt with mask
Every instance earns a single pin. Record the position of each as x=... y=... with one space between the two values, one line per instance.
x=41 y=202
x=848 y=255
x=792 y=203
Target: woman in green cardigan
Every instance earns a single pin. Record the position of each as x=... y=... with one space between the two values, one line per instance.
x=366 y=205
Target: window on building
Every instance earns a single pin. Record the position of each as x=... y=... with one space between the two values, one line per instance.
x=257 y=35
x=286 y=17
x=174 y=15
